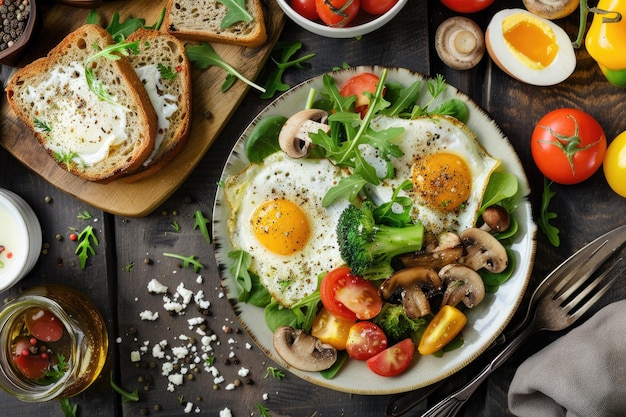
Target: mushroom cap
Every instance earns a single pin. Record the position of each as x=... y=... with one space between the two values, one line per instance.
x=483 y=250
x=496 y=218
x=415 y=276
x=303 y=351
x=460 y=43
x=462 y=284
x=294 y=135
x=551 y=9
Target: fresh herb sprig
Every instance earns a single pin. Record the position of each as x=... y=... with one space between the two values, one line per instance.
x=57 y=371
x=263 y=411
x=239 y=270
x=68 y=409
x=274 y=372
x=202 y=224
x=120 y=30
x=66 y=158
x=545 y=215
x=237 y=12
x=191 y=260
x=126 y=396
x=275 y=82
x=204 y=56
x=87 y=239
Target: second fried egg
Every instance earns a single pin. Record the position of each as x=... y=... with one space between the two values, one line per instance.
x=278 y=218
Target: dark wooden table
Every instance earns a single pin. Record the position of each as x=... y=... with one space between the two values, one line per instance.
x=584 y=211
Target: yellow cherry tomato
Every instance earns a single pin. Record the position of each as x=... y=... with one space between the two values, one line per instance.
x=444 y=327
x=331 y=329
x=614 y=164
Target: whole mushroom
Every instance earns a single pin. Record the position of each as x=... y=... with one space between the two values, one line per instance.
x=496 y=218
x=463 y=284
x=303 y=351
x=460 y=43
x=483 y=250
x=294 y=136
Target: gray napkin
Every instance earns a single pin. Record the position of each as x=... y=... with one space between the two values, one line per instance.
x=582 y=374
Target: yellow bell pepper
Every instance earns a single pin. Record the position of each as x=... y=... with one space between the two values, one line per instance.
x=606 y=39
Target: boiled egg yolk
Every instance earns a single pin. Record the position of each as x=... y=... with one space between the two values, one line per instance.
x=443 y=180
x=530 y=40
x=281 y=226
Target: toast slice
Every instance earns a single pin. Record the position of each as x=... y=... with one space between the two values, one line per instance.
x=98 y=137
x=164 y=70
x=201 y=20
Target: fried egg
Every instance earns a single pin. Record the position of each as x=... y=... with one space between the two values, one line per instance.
x=448 y=167
x=278 y=218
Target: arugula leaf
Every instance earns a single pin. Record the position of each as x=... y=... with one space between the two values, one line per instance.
x=275 y=83
x=187 y=260
x=385 y=213
x=237 y=12
x=122 y=30
x=85 y=248
x=545 y=216
x=201 y=223
x=126 y=396
x=239 y=269
x=204 y=56
x=68 y=409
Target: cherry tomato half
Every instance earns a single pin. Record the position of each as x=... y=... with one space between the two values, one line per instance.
x=447 y=323
x=337 y=13
x=349 y=296
x=365 y=340
x=568 y=145
x=393 y=360
x=615 y=164
x=305 y=8
x=377 y=7
x=44 y=325
x=356 y=86
x=32 y=366
x=467 y=6
x=331 y=329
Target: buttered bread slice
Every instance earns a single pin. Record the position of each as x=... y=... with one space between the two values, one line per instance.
x=162 y=66
x=89 y=111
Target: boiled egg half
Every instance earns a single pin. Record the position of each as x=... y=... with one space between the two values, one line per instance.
x=529 y=48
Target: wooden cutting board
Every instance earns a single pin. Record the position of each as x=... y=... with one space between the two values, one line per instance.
x=212 y=108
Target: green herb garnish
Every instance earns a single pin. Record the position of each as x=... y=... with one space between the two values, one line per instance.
x=42 y=126
x=275 y=83
x=84 y=215
x=85 y=248
x=274 y=372
x=264 y=412
x=57 y=371
x=174 y=225
x=237 y=12
x=201 y=223
x=66 y=158
x=187 y=260
x=129 y=266
x=204 y=56
x=68 y=409
x=545 y=216
x=239 y=270
x=126 y=396
x=167 y=72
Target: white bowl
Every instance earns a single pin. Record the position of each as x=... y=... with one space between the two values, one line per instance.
x=361 y=25
x=21 y=237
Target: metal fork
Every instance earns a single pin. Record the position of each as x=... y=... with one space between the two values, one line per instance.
x=559 y=300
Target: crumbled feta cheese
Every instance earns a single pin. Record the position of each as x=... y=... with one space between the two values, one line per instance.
x=180 y=351
x=187 y=294
x=176 y=379
x=199 y=279
x=230 y=387
x=188 y=408
x=225 y=413
x=243 y=372
x=265 y=396
x=135 y=356
x=248 y=346
x=167 y=368
x=149 y=315
x=196 y=321
x=218 y=379
x=173 y=306
x=156 y=287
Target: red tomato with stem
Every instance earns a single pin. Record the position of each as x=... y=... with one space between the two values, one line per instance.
x=365 y=340
x=357 y=85
x=337 y=13
x=305 y=8
x=393 y=360
x=568 y=145
x=467 y=6
x=43 y=325
x=377 y=7
x=349 y=296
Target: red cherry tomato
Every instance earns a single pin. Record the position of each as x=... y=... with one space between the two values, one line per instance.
x=305 y=8
x=44 y=325
x=337 y=13
x=365 y=340
x=393 y=360
x=349 y=296
x=467 y=6
x=356 y=86
x=32 y=366
x=568 y=145
x=377 y=7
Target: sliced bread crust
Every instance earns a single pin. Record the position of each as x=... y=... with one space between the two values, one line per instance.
x=163 y=67
x=200 y=20
x=92 y=138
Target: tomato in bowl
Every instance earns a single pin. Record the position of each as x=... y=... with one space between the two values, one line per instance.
x=336 y=19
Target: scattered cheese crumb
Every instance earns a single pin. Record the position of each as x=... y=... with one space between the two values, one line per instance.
x=149 y=315
x=225 y=413
x=156 y=287
x=135 y=356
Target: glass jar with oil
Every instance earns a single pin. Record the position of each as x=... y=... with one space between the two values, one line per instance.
x=54 y=344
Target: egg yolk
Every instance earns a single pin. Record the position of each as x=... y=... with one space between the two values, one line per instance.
x=281 y=226
x=530 y=40
x=443 y=180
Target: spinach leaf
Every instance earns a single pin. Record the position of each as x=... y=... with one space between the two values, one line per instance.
x=263 y=139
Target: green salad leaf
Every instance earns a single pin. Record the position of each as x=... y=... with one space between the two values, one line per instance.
x=237 y=12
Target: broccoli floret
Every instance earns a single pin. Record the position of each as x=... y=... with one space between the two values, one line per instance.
x=368 y=247
x=396 y=325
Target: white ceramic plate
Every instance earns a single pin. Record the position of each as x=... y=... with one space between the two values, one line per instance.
x=485 y=322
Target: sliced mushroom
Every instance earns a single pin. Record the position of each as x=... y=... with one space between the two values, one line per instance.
x=460 y=43
x=434 y=260
x=445 y=240
x=303 y=351
x=462 y=284
x=483 y=250
x=414 y=286
x=294 y=136
x=496 y=218
x=551 y=9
